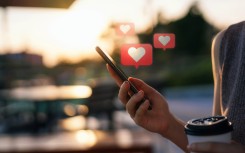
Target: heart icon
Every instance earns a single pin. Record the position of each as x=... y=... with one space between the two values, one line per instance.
x=164 y=40
x=125 y=28
x=136 y=54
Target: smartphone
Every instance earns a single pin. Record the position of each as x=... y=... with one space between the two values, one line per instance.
x=107 y=58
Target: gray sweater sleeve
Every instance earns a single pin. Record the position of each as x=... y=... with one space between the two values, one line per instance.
x=232 y=65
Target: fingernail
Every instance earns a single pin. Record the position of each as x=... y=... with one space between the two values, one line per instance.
x=141 y=92
x=125 y=83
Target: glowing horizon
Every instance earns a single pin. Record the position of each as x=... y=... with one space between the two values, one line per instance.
x=72 y=34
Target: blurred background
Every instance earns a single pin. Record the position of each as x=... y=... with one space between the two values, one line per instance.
x=55 y=92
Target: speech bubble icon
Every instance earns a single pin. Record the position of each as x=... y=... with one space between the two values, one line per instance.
x=123 y=29
x=136 y=55
x=164 y=40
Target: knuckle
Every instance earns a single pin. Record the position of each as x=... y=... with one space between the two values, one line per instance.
x=138 y=120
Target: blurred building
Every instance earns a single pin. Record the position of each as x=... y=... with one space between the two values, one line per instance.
x=18 y=66
x=20 y=59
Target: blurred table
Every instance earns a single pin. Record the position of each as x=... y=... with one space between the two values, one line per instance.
x=83 y=141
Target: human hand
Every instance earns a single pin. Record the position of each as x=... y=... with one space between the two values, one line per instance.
x=158 y=119
x=155 y=120
x=216 y=147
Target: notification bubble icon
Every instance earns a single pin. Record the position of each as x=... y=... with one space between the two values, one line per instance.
x=125 y=29
x=136 y=55
x=164 y=40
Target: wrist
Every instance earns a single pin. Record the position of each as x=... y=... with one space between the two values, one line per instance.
x=176 y=133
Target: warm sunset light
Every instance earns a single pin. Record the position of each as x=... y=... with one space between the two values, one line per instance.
x=76 y=91
x=69 y=110
x=75 y=33
x=73 y=123
x=72 y=34
x=124 y=138
x=57 y=93
x=87 y=138
x=82 y=109
x=50 y=92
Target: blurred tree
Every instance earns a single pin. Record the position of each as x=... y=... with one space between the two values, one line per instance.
x=190 y=61
x=193 y=33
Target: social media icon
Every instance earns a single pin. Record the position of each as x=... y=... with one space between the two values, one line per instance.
x=125 y=29
x=136 y=55
x=164 y=40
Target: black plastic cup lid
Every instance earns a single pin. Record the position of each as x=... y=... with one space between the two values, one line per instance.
x=212 y=125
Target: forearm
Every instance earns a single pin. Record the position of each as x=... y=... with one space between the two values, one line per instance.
x=176 y=133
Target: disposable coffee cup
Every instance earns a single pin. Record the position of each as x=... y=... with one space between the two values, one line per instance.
x=209 y=129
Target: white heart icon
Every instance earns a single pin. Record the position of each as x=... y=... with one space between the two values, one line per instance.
x=136 y=54
x=125 y=28
x=164 y=39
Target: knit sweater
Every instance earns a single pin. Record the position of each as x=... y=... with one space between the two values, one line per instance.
x=232 y=65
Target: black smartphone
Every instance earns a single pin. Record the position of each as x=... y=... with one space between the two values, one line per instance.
x=107 y=58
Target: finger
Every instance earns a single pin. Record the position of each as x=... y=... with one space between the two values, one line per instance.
x=123 y=92
x=114 y=75
x=131 y=105
x=141 y=85
x=150 y=93
x=141 y=111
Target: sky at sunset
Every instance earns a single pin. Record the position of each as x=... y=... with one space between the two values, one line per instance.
x=72 y=34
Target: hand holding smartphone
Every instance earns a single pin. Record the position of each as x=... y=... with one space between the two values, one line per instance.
x=119 y=72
